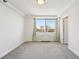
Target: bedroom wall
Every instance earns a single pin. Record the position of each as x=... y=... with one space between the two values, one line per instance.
x=11 y=30
x=28 y=27
x=73 y=29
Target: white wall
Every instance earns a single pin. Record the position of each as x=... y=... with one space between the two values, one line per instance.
x=11 y=30
x=73 y=29
x=28 y=28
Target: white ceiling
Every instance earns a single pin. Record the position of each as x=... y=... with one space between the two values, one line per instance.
x=51 y=7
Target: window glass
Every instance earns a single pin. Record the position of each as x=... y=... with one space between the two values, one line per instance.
x=40 y=25
x=45 y=25
x=50 y=25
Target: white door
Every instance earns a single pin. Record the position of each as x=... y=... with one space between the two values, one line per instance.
x=65 y=30
x=45 y=30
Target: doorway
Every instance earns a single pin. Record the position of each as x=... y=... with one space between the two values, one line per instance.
x=45 y=29
x=65 y=30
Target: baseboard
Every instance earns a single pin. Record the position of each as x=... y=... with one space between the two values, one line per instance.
x=73 y=51
x=5 y=53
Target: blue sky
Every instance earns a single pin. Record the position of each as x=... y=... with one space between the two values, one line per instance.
x=49 y=22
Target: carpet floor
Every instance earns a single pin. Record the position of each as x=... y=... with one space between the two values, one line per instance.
x=41 y=50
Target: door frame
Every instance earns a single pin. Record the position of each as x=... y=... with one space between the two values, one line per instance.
x=64 y=19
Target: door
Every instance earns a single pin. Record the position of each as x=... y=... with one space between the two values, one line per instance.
x=45 y=29
x=65 y=30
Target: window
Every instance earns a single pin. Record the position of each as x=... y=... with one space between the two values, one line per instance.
x=40 y=25
x=50 y=25
x=45 y=25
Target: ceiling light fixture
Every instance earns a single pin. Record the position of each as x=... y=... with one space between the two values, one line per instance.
x=5 y=1
x=41 y=2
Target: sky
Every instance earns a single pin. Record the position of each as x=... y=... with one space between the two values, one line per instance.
x=51 y=23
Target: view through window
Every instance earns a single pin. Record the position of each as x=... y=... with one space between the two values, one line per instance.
x=45 y=25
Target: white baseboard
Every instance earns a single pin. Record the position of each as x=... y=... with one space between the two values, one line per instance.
x=5 y=53
x=74 y=51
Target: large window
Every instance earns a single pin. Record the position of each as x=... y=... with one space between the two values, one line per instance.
x=45 y=25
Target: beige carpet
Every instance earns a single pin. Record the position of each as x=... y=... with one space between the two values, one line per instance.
x=41 y=50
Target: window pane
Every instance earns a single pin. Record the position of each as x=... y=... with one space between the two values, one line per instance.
x=40 y=25
x=50 y=25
